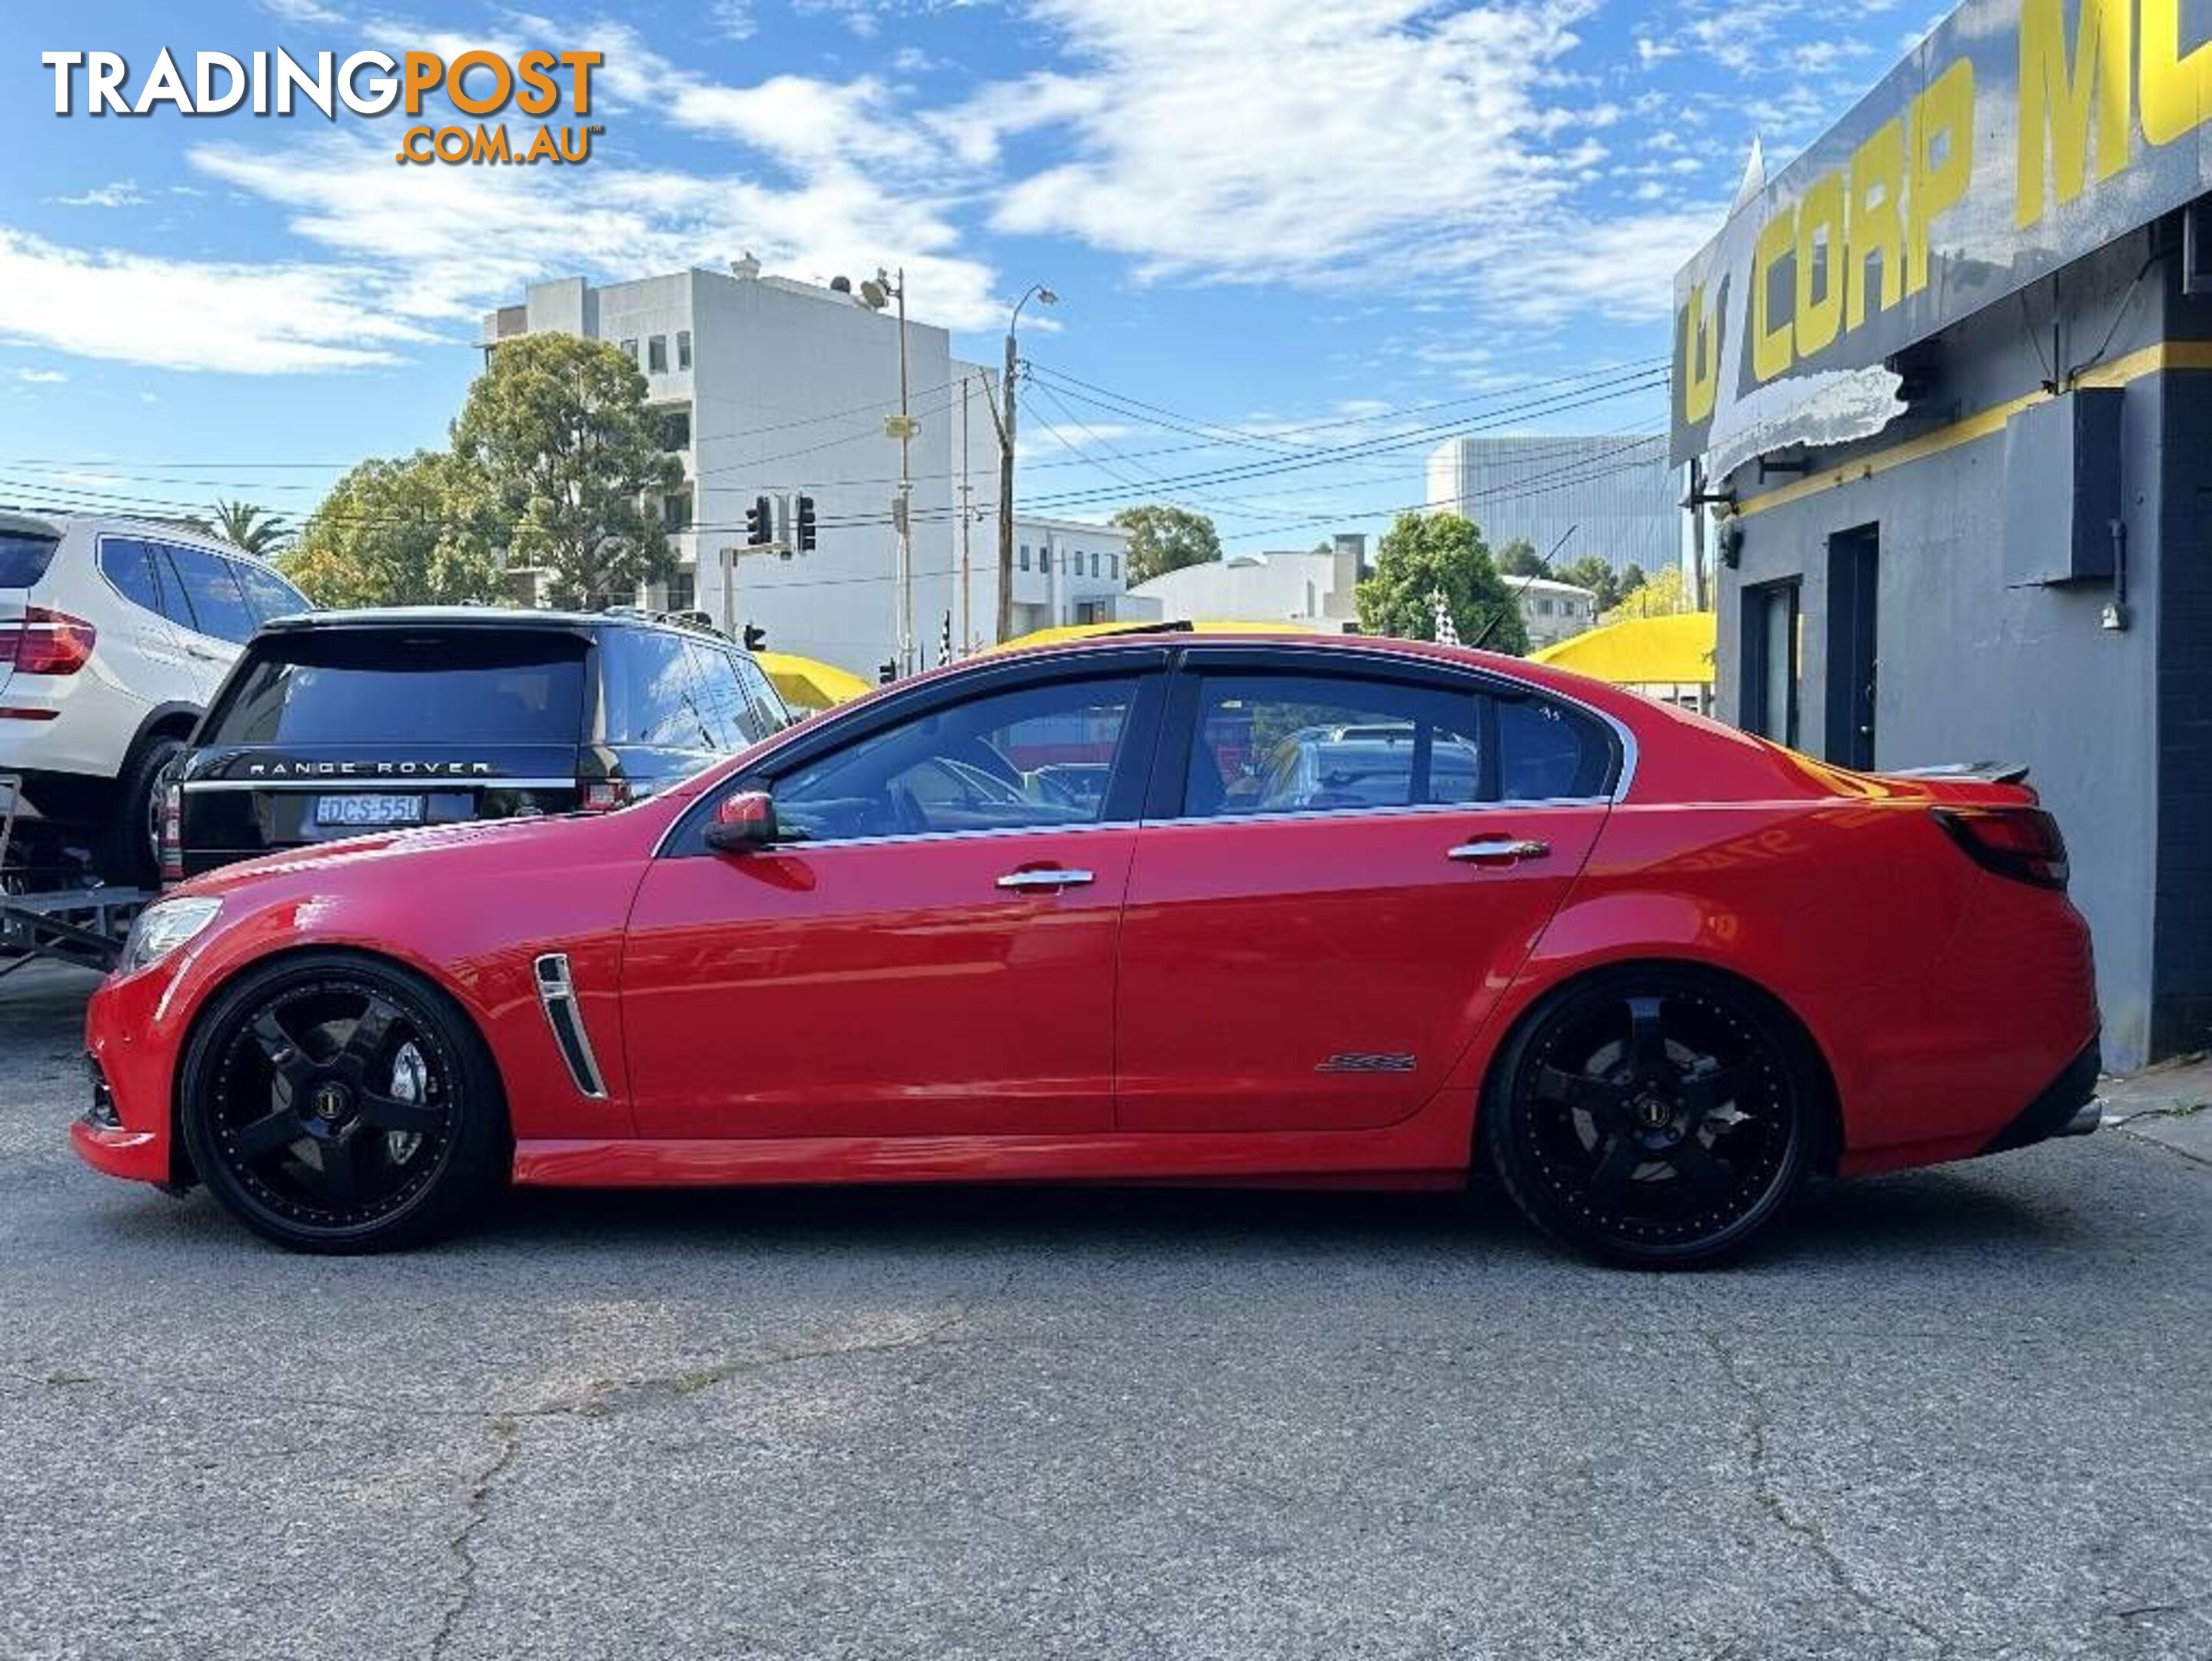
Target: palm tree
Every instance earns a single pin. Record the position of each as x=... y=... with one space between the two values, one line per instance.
x=255 y=529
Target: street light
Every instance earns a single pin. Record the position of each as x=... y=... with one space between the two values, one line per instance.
x=1046 y=297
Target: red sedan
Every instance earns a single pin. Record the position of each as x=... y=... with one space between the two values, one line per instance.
x=1152 y=908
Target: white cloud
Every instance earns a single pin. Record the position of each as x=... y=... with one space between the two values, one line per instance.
x=121 y=194
x=1622 y=268
x=1290 y=138
x=190 y=314
x=40 y=377
x=731 y=19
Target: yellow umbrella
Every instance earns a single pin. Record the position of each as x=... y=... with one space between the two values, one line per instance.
x=808 y=684
x=1665 y=651
x=1068 y=631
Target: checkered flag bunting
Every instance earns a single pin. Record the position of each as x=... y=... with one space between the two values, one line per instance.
x=1447 y=631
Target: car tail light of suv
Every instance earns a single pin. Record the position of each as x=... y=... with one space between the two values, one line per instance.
x=602 y=795
x=44 y=642
x=2023 y=843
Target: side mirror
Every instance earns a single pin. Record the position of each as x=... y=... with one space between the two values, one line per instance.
x=743 y=823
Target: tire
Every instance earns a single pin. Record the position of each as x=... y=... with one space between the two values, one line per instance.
x=1653 y=1117
x=307 y=1117
x=130 y=844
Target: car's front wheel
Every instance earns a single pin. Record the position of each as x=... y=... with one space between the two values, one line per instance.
x=1654 y=1116
x=338 y=1104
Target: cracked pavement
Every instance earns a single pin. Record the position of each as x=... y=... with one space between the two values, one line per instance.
x=1965 y=1413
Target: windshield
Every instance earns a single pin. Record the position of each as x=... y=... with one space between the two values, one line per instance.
x=24 y=556
x=478 y=685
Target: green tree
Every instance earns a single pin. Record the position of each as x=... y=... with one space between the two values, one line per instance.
x=1631 y=579
x=1422 y=556
x=1662 y=596
x=570 y=456
x=1519 y=558
x=1591 y=572
x=416 y=531
x=254 y=528
x=1163 y=539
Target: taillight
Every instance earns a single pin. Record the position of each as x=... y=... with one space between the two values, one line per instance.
x=173 y=836
x=603 y=795
x=47 y=643
x=2019 y=842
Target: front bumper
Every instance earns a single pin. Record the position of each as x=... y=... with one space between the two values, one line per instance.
x=125 y=1129
x=2068 y=1107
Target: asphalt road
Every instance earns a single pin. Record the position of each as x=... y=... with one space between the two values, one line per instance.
x=1966 y=1413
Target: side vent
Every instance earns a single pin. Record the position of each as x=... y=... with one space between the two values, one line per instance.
x=557 y=992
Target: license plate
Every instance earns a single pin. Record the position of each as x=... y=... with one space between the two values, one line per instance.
x=369 y=810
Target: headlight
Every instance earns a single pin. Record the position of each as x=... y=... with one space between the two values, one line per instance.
x=163 y=927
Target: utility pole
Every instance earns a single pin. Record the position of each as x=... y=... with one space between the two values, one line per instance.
x=967 y=512
x=906 y=498
x=1006 y=628
x=1005 y=621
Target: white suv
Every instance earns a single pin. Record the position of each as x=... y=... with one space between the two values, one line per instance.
x=114 y=634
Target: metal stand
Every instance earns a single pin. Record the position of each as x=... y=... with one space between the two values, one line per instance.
x=82 y=925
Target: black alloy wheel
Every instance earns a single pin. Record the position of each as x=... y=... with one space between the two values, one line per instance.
x=1653 y=1118
x=338 y=1106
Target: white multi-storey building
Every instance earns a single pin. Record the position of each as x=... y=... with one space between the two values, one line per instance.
x=768 y=387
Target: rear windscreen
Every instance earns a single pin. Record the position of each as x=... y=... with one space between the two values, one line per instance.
x=24 y=558
x=474 y=686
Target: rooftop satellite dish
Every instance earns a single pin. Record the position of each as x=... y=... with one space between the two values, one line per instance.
x=841 y=285
x=746 y=266
x=873 y=294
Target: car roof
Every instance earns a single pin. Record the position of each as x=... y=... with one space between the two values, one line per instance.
x=482 y=617
x=38 y=522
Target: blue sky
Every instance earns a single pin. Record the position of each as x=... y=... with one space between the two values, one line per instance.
x=1284 y=222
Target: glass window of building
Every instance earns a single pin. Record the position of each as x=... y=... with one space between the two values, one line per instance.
x=656 y=355
x=683 y=349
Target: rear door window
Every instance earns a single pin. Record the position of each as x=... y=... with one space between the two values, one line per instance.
x=1331 y=743
x=729 y=713
x=771 y=713
x=476 y=687
x=1547 y=753
x=653 y=693
x=24 y=556
x=216 y=602
x=127 y=563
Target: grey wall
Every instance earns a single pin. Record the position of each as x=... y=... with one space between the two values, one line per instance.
x=1971 y=670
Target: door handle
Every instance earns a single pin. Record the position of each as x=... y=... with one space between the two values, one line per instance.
x=1055 y=878
x=1498 y=850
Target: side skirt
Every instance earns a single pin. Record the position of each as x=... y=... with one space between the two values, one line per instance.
x=1430 y=1150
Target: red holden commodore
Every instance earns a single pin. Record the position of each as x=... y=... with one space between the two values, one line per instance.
x=1155 y=908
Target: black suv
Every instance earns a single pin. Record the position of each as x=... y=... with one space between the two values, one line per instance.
x=346 y=722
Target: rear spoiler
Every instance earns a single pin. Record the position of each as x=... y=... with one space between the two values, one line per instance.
x=1985 y=772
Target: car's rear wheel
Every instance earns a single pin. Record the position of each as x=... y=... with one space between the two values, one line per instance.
x=337 y=1104
x=131 y=853
x=1654 y=1116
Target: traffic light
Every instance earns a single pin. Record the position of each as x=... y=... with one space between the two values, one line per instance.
x=805 y=518
x=760 y=523
x=756 y=637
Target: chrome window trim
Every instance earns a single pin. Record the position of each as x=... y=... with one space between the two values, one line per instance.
x=1335 y=649
x=802 y=845
x=1383 y=810
x=392 y=781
